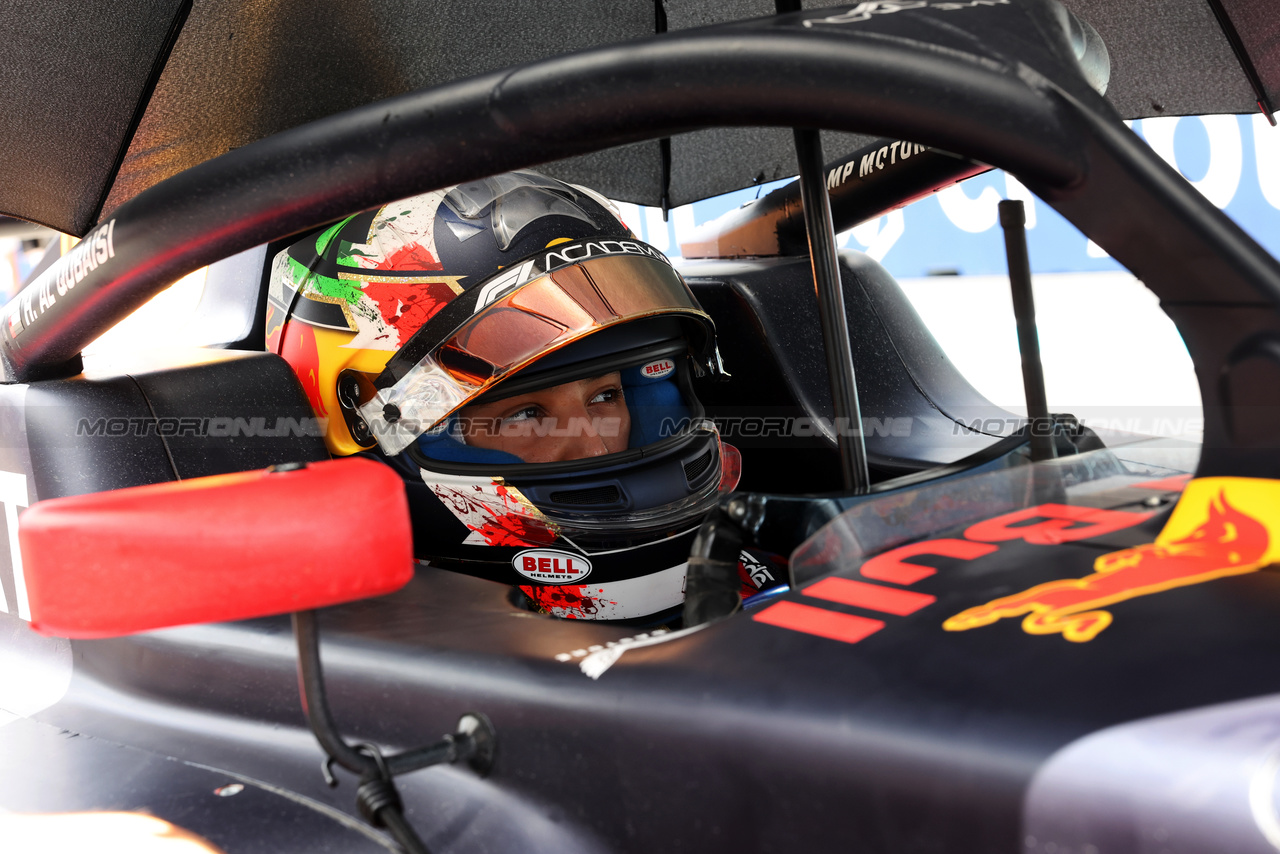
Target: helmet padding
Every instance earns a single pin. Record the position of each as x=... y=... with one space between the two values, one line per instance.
x=651 y=403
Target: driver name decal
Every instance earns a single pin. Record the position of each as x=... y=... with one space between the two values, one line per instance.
x=865 y=11
x=94 y=250
x=551 y=567
x=598 y=658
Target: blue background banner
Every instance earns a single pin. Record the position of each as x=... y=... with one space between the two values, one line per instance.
x=1233 y=160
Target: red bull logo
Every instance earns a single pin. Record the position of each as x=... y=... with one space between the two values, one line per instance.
x=1219 y=528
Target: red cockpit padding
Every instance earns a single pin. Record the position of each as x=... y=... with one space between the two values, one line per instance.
x=226 y=547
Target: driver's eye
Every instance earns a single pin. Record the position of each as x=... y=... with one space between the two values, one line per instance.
x=529 y=412
x=609 y=395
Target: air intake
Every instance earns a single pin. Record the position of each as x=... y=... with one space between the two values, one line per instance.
x=694 y=469
x=595 y=495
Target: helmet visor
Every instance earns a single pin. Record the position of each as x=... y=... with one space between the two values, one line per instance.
x=517 y=328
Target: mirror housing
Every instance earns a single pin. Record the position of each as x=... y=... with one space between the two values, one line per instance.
x=210 y=549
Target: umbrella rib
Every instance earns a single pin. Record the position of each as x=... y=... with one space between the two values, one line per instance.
x=1242 y=56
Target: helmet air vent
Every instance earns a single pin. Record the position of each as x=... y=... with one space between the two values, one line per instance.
x=609 y=494
x=696 y=467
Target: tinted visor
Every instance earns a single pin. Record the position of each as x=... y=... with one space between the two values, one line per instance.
x=517 y=328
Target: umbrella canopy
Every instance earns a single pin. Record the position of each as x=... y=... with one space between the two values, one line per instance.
x=106 y=101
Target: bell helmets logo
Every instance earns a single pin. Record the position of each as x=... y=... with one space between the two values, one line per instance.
x=551 y=567
x=659 y=369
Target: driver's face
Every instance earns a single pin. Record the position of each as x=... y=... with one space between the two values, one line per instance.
x=572 y=421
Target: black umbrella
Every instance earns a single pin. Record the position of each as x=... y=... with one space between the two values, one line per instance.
x=106 y=101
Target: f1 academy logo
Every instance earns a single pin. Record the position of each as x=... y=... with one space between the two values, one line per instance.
x=561 y=255
x=571 y=253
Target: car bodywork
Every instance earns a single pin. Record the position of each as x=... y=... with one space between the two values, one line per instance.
x=951 y=671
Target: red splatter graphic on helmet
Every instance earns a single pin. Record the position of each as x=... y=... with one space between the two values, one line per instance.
x=570 y=601
x=405 y=306
x=513 y=529
x=300 y=351
x=520 y=522
x=410 y=257
x=500 y=518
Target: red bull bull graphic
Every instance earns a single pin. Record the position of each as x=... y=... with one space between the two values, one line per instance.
x=1221 y=527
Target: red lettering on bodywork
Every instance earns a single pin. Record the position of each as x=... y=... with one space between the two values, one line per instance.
x=1062 y=523
x=892 y=566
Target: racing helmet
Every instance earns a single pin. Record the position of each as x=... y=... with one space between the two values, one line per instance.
x=396 y=319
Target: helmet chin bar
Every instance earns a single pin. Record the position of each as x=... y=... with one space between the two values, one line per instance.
x=661 y=489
